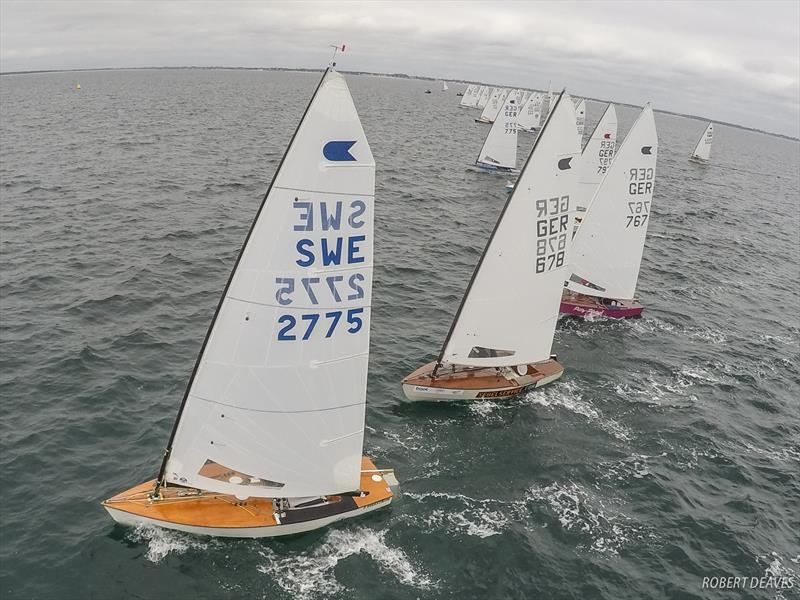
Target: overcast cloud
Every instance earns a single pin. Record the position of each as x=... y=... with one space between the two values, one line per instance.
x=728 y=61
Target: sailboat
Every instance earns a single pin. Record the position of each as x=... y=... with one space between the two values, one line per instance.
x=608 y=246
x=580 y=117
x=493 y=106
x=500 y=340
x=596 y=158
x=530 y=115
x=444 y=86
x=484 y=96
x=499 y=151
x=268 y=439
x=470 y=97
x=702 y=151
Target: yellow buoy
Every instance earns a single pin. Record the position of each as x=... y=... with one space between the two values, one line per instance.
x=77 y=86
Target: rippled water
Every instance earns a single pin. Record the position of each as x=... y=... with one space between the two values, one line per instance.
x=670 y=451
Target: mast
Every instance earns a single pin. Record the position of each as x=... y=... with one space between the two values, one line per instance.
x=162 y=470
x=488 y=245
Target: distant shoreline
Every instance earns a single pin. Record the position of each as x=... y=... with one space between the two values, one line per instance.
x=396 y=75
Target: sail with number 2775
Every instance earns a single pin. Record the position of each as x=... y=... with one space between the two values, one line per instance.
x=269 y=437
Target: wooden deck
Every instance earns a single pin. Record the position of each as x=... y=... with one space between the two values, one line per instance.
x=477 y=378
x=188 y=506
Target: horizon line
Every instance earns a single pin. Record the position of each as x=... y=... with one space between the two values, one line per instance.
x=396 y=75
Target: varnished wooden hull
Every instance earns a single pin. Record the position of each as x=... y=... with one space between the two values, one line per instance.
x=470 y=383
x=220 y=515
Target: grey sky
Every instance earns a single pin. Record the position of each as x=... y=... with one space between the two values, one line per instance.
x=729 y=61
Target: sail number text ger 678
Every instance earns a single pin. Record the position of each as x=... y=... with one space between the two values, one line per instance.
x=319 y=253
x=552 y=228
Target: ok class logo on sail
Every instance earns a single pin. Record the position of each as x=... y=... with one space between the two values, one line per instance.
x=338 y=151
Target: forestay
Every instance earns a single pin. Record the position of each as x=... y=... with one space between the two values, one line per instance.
x=608 y=246
x=703 y=148
x=276 y=406
x=530 y=115
x=509 y=311
x=596 y=157
x=500 y=147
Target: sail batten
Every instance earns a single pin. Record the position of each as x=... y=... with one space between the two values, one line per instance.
x=278 y=393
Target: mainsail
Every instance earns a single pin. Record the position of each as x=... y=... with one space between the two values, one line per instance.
x=444 y=86
x=703 y=148
x=509 y=311
x=483 y=97
x=530 y=115
x=500 y=146
x=596 y=157
x=493 y=106
x=608 y=246
x=275 y=406
x=470 y=97
x=580 y=118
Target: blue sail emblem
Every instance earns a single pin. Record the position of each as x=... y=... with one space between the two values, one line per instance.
x=338 y=151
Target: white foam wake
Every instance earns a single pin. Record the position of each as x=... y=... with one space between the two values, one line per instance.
x=310 y=574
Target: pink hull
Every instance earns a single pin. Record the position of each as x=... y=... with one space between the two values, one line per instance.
x=584 y=309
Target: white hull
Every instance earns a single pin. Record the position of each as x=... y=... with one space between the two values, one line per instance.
x=697 y=159
x=432 y=394
x=125 y=518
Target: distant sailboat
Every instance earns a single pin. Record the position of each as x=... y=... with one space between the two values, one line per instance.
x=444 y=86
x=500 y=341
x=608 y=246
x=580 y=117
x=492 y=108
x=499 y=151
x=470 y=97
x=427 y=91
x=596 y=158
x=268 y=440
x=702 y=151
x=530 y=116
x=484 y=96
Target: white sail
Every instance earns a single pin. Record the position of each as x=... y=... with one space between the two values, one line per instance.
x=468 y=96
x=703 y=148
x=580 y=118
x=608 y=246
x=525 y=95
x=530 y=115
x=500 y=146
x=494 y=105
x=596 y=157
x=483 y=98
x=509 y=312
x=277 y=400
x=474 y=96
x=444 y=86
